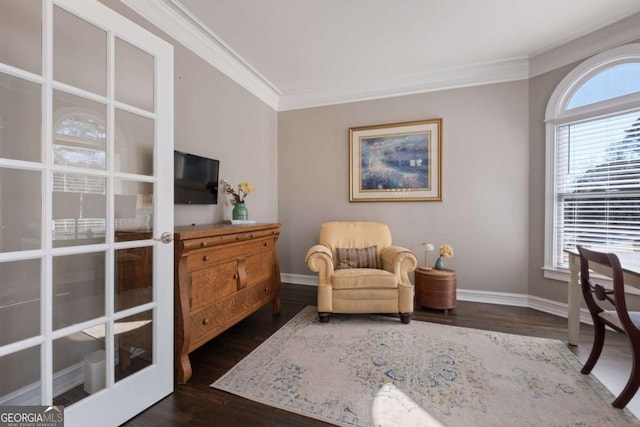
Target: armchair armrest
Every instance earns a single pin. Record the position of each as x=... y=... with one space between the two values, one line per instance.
x=400 y=261
x=320 y=259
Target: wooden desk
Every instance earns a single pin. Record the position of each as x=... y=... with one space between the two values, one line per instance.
x=630 y=262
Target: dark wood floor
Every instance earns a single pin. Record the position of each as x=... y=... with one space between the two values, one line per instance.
x=196 y=404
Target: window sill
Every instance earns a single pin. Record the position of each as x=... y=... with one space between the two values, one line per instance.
x=560 y=274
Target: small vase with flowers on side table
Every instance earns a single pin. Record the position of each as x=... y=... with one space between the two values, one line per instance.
x=436 y=288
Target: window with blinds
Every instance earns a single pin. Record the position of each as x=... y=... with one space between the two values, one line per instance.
x=593 y=158
x=597 y=184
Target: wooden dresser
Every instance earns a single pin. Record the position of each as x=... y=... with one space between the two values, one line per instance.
x=223 y=273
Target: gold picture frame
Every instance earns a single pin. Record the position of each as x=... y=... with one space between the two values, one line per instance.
x=396 y=162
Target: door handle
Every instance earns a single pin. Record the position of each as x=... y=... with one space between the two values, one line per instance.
x=165 y=238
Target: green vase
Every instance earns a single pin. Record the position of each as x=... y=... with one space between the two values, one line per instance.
x=240 y=211
x=440 y=263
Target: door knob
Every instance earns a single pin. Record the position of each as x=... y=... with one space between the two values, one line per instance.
x=166 y=237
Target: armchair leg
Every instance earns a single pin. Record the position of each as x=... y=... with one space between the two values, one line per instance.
x=405 y=317
x=324 y=317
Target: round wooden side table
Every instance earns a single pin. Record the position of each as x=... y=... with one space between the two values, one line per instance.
x=436 y=288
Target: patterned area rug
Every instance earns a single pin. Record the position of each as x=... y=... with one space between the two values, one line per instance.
x=362 y=370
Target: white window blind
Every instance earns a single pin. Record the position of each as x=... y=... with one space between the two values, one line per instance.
x=87 y=217
x=597 y=184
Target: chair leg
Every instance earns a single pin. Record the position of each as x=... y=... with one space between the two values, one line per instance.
x=324 y=317
x=598 y=343
x=633 y=383
x=405 y=317
x=629 y=390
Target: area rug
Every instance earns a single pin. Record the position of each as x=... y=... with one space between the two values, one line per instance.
x=361 y=370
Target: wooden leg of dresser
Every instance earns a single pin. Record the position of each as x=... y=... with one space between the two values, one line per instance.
x=276 y=306
x=183 y=369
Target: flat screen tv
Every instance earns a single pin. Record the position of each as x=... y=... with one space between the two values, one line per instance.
x=196 y=179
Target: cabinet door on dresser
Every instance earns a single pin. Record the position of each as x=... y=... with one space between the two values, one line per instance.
x=212 y=283
x=259 y=267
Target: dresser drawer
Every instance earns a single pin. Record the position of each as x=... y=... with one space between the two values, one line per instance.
x=201 y=259
x=225 y=239
x=209 y=322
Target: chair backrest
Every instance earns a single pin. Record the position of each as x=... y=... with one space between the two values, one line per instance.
x=354 y=234
x=617 y=297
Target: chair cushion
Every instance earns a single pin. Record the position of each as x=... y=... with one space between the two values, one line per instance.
x=364 y=278
x=357 y=258
x=611 y=317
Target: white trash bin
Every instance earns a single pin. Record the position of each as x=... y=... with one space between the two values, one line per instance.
x=94 y=371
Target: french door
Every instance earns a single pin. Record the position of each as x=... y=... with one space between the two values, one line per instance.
x=86 y=274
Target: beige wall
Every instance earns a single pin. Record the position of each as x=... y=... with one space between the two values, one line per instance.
x=484 y=212
x=217 y=118
x=540 y=89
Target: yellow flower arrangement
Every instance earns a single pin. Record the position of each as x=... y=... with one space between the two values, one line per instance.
x=244 y=189
x=446 y=251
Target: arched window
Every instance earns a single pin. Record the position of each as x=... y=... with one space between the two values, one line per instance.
x=79 y=140
x=593 y=157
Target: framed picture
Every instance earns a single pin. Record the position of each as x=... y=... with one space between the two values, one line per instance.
x=396 y=162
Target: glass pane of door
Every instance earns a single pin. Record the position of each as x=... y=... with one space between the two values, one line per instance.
x=134 y=341
x=20 y=210
x=79 y=132
x=78 y=288
x=20 y=119
x=21 y=377
x=79 y=46
x=134 y=76
x=83 y=354
x=21 y=34
x=134 y=142
x=19 y=300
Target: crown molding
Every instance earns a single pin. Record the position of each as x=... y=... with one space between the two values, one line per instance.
x=175 y=20
x=611 y=36
x=436 y=80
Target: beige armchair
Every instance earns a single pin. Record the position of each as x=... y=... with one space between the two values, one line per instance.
x=359 y=271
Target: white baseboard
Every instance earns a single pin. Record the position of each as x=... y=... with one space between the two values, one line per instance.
x=502 y=298
x=299 y=279
x=31 y=394
x=63 y=381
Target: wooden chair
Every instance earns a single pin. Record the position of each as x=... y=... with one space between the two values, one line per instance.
x=620 y=319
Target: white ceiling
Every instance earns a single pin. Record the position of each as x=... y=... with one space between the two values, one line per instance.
x=352 y=47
